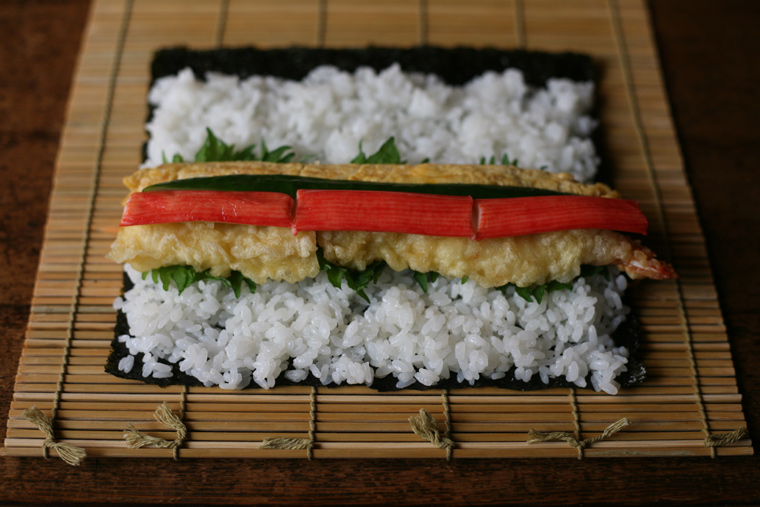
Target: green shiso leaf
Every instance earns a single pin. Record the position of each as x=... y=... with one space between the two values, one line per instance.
x=185 y=276
x=588 y=270
x=236 y=281
x=279 y=156
x=537 y=291
x=421 y=279
x=361 y=158
x=524 y=292
x=387 y=154
x=216 y=150
x=356 y=280
x=424 y=279
x=555 y=285
x=362 y=279
x=177 y=158
x=504 y=160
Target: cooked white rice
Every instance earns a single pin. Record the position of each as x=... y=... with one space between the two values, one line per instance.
x=457 y=330
x=330 y=112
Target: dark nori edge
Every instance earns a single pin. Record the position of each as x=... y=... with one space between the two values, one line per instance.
x=455 y=65
x=627 y=335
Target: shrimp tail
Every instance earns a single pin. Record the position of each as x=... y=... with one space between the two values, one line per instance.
x=644 y=264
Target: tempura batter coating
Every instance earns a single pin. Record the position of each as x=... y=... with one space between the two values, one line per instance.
x=262 y=253
x=522 y=260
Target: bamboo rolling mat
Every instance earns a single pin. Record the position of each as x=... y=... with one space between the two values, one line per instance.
x=690 y=395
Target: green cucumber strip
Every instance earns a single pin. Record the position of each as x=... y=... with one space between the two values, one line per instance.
x=289 y=184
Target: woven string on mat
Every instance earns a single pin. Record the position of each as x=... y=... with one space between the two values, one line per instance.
x=163 y=414
x=298 y=443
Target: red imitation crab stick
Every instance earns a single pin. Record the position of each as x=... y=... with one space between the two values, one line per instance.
x=255 y=208
x=498 y=218
x=387 y=211
x=381 y=211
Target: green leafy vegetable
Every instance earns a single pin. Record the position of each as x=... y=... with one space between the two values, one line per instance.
x=237 y=280
x=185 y=276
x=177 y=158
x=280 y=155
x=588 y=270
x=216 y=150
x=423 y=279
x=504 y=160
x=356 y=280
x=537 y=291
x=387 y=154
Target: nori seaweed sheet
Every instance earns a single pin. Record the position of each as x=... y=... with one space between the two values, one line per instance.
x=455 y=66
x=626 y=335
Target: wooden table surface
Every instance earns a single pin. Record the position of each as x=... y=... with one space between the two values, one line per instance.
x=708 y=52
